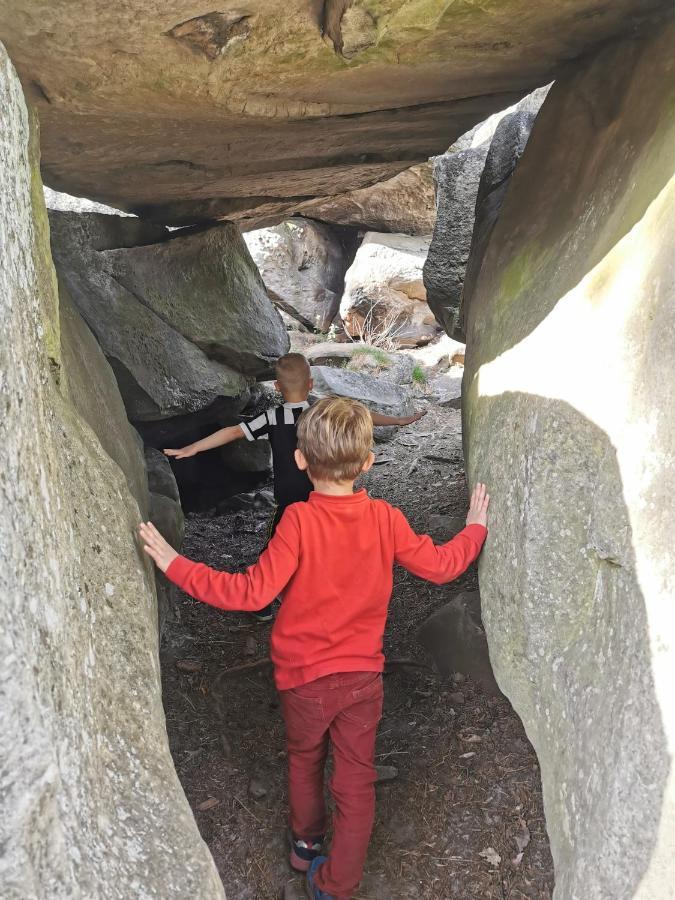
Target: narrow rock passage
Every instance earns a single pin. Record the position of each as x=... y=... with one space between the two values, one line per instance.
x=463 y=815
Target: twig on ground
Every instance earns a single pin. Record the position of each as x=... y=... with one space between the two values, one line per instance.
x=401 y=663
x=243 y=806
x=244 y=667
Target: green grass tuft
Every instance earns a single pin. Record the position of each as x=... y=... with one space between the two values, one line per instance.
x=419 y=376
x=380 y=356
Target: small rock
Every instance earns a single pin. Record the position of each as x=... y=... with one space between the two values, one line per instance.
x=251 y=647
x=458 y=678
x=257 y=789
x=522 y=838
x=457 y=698
x=386 y=774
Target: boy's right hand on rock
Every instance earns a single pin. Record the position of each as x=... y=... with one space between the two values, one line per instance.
x=181 y=453
x=478 y=506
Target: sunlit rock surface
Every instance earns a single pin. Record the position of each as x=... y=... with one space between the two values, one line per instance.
x=577 y=574
x=384 y=297
x=91 y=804
x=302 y=264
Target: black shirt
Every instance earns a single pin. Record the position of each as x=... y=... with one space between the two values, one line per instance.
x=278 y=426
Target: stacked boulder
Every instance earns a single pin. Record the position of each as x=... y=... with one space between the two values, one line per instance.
x=182 y=317
x=385 y=300
x=458 y=175
x=303 y=265
x=403 y=204
x=184 y=321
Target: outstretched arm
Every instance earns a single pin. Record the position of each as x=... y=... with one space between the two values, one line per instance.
x=217 y=439
x=440 y=564
x=379 y=419
x=250 y=590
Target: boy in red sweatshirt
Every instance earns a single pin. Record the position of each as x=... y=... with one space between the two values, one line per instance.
x=332 y=558
x=278 y=426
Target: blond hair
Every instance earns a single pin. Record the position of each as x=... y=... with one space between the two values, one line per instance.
x=293 y=372
x=335 y=436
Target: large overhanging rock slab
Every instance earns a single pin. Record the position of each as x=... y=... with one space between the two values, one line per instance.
x=403 y=204
x=91 y=804
x=189 y=112
x=578 y=570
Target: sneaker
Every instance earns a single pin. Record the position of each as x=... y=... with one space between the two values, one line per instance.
x=264 y=615
x=303 y=853
x=314 y=892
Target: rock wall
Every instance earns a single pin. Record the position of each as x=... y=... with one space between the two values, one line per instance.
x=92 y=807
x=506 y=147
x=577 y=573
x=457 y=177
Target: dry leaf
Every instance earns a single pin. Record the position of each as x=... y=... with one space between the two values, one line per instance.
x=522 y=839
x=209 y=803
x=188 y=665
x=491 y=855
x=516 y=861
x=467 y=755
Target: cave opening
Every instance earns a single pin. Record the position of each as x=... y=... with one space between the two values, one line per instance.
x=339 y=182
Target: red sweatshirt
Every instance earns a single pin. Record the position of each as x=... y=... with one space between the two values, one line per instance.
x=333 y=558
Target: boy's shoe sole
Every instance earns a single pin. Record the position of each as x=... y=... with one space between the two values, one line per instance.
x=296 y=861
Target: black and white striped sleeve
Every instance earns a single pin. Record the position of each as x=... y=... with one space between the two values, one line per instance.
x=258 y=429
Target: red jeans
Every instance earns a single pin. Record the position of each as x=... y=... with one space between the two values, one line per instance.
x=345 y=708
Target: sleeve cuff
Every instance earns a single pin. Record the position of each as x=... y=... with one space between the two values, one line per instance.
x=247 y=431
x=477 y=533
x=179 y=570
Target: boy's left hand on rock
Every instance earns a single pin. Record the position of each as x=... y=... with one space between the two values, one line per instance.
x=155 y=546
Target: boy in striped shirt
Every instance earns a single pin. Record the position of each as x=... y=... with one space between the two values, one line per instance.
x=278 y=426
